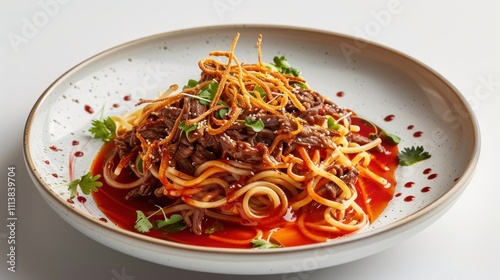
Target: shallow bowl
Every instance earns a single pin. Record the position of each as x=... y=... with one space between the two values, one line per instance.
x=392 y=89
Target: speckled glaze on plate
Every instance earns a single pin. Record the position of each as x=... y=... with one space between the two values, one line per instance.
x=398 y=93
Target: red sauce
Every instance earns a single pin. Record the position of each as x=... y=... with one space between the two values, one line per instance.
x=389 y=118
x=372 y=197
x=426 y=189
x=432 y=176
x=89 y=109
x=127 y=97
x=410 y=127
x=409 y=198
x=409 y=184
x=418 y=134
x=78 y=154
x=340 y=94
x=427 y=171
x=75 y=143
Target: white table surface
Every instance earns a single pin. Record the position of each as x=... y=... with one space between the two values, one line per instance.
x=459 y=39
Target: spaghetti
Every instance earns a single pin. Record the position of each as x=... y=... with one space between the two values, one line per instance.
x=250 y=146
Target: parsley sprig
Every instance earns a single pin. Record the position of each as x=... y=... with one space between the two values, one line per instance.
x=87 y=184
x=103 y=129
x=412 y=155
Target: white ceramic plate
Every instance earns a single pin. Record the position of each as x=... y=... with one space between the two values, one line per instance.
x=376 y=81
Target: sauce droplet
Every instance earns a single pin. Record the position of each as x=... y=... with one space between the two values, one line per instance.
x=89 y=109
x=103 y=220
x=389 y=118
x=410 y=127
x=427 y=171
x=46 y=162
x=81 y=199
x=55 y=175
x=340 y=94
x=75 y=143
x=409 y=198
x=425 y=189
x=409 y=184
x=78 y=154
x=432 y=176
x=418 y=134
x=127 y=97
x=54 y=148
x=70 y=201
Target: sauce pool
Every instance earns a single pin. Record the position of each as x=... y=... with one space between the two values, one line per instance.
x=372 y=197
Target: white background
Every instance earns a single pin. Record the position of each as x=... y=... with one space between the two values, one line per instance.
x=459 y=39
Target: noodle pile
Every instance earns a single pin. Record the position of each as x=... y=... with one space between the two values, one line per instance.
x=205 y=154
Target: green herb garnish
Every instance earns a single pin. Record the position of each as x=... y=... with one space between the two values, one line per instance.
x=208 y=93
x=87 y=184
x=142 y=223
x=332 y=124
x=281 y=65
x=410 y=156
x=393 y=139
x=190 y=84
x=103 y=129
x=255 y=124
x=173 y=224
x=187 y=128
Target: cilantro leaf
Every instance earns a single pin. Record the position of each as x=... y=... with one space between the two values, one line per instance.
x=87 y=183
x=256 y=124
x=410 y=156
x=259 y=243
x=142 y=223
x=103 y=129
